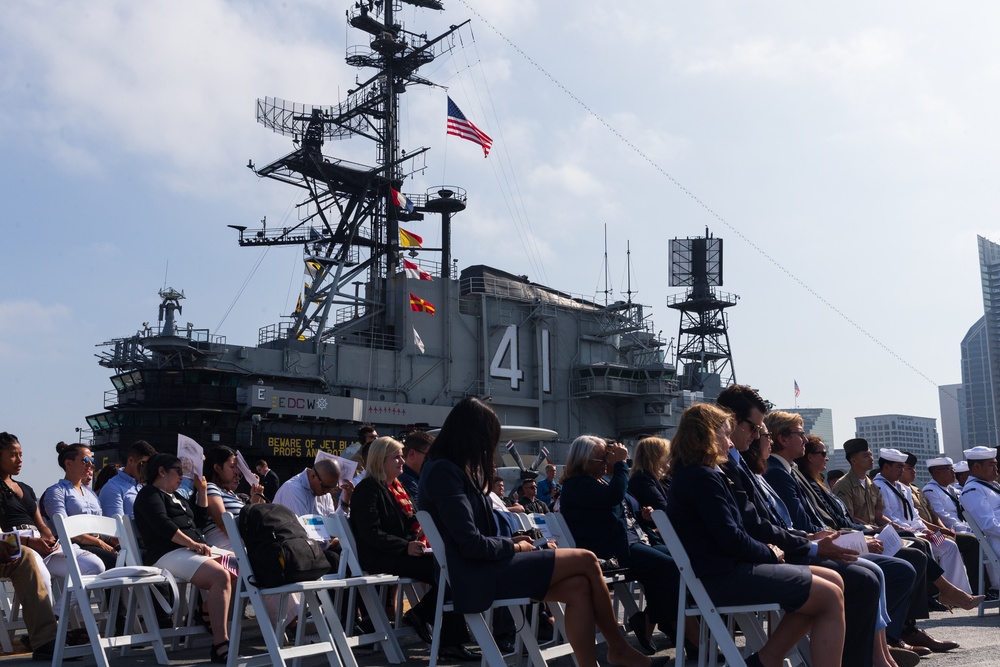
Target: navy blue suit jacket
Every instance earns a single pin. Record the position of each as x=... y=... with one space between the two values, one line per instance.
x=464 y=516
x=794 y=544
x=788 y=490
x=703 y=511
x=593 y=512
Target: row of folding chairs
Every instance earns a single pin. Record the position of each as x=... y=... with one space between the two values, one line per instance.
x=320 y=603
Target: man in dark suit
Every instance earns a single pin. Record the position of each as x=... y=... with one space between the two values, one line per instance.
x=268 y=479
x=861 y=583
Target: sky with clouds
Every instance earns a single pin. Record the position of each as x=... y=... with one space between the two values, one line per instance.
x=846 y=154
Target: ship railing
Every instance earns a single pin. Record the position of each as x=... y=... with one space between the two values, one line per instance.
x=622 y=387
x=430 y=266
x=715 y=298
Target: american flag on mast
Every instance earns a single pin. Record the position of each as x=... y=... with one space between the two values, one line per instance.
x=796 y=382
x=460 y=126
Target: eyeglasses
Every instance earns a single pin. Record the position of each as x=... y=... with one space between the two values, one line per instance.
x=801 y=434
x=753 y=427
x=821 y=453
x=178 y=469
x=89 y=460
x=763 y=434
x=326 y=487
x=603 y=459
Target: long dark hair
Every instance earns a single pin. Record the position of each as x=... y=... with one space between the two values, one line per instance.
x=216 y=456
x=469 y=438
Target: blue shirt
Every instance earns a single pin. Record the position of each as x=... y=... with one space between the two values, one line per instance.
x=63 y=498
x=118 y=494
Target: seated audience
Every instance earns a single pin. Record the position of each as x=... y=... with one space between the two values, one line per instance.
x=71 y=496
x=168 y=525
x=603 y=521
x=415 y=447
x=119 y=493
x=309 y=491
x=483 y=567
x=223 y=476
x=734 y=567
x=19 y=511
x=528 y=498
x=649 y=469
x=548 y=488
x=390 y=540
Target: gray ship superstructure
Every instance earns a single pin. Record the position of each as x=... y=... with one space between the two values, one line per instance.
x=385 y=331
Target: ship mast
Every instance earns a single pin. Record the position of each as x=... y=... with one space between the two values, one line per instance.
x=348 y=222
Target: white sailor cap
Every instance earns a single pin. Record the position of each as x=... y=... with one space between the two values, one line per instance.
x=940 y=461
x=980 y=453
x=893 y=455
x=962 y=466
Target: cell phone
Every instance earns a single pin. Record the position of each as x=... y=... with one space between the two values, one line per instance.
x=540 y=543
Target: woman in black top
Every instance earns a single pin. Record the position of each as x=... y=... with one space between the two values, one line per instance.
x=484 y=566
x=169 y=529
x=390 y=540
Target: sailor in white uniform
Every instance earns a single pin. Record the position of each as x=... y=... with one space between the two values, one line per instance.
x=981 y=496
x=942 y=494
x=961 y=474
x=899 y=509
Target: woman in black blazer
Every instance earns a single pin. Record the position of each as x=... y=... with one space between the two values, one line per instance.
x=390 y=541
x=484 y=567
x=734 y=567
x=603 y=520
x=645 y=483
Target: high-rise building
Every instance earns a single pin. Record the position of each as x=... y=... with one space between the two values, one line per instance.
x=977 y=407
x=951 y=397
x=917 y=435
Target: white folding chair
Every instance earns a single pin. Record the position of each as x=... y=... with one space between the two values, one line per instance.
x=139 y=582
x=714 y=629
x=477 y=622
x=10 y=615
x=987 y=555
x=337 y=525
x=317 y=605
x=620 y=584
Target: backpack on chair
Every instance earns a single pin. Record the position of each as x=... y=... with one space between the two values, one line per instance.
x=279 y=550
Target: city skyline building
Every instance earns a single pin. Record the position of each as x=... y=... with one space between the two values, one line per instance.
x=989 y=268
x=908 y=433
x=977 y=407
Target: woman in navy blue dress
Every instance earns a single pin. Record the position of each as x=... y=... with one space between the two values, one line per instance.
x=734 y=567
x=484 y=566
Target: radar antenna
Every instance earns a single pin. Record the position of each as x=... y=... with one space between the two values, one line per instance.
x=348 y=222
x=703 y=339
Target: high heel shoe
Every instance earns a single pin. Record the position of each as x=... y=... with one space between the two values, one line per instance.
x=961 y=599
x=637 y=624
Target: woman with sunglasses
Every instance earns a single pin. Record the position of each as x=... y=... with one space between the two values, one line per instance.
x=168 y=525
x=71 y=496
x=734 y=567
x=19 y=511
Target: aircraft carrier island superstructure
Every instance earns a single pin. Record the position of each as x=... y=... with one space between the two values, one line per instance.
x=386 y=331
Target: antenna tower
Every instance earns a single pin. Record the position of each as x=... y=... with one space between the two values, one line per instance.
x=703 y=339
x=348 y=223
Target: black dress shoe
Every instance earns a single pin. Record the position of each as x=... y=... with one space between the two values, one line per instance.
x=411 y=619
x=46 y=651
x=637 y=624
x=459 y=653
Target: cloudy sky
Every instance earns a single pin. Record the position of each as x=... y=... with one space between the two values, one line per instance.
x=846 y=154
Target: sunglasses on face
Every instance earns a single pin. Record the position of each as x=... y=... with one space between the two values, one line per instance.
x=89 y=460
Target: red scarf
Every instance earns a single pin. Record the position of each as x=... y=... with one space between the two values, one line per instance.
x=406 y=506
